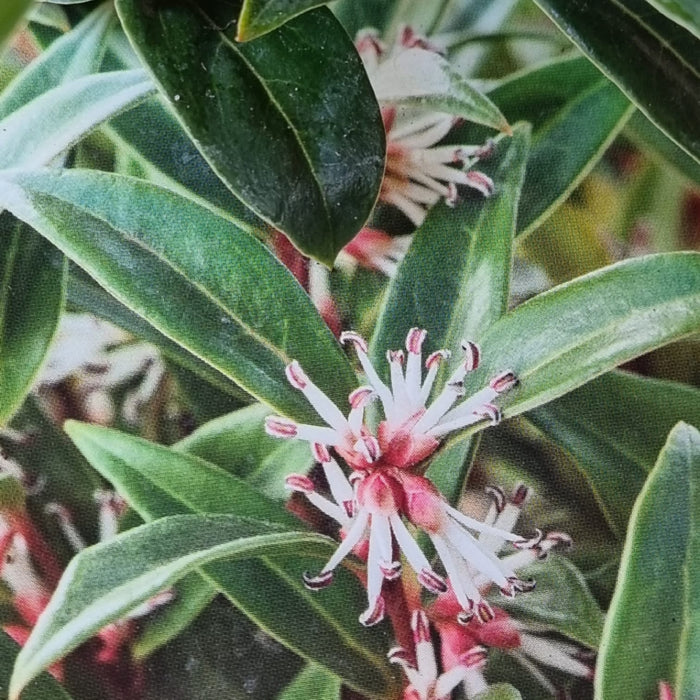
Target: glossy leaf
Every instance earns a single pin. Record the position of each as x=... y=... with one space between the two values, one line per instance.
x=575 y=114
x=158 y=482
x=561 y=602
x=454 y=280
x=45 y=687
x=194 y=268
x=259 y=17
x=615 y=426
x=425 y=79
x=290 y=125
x=141 y=562
x=568 y=335
x=658 y=573
x=661 y=71
x=73 y=55
x=238 y=443
x=684 y=12
x=192 y=595
x=11 y=14
x=312 y=681
x=31 y=301
x=45 y=127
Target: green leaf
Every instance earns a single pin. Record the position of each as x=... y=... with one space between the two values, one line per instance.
x=259 y=17
x=73 y=55
x=192 y=595
x=312 y=681
x=84 y=293
x=45 y=687
x=659 y=71
x=684 y=12
x=11 y=14
x=36 y=133
x=187 y=270
x=253 y=111
x=654 y=610
x=425 y=79
x=31 y=301
x=500 y=691
x=455 y=278
x=12 y=494
x=565 y=337
x=615 y=426
x=107 y=581
x=158 y=482
x=561 y=602
x=575 y=114
x=647 y=137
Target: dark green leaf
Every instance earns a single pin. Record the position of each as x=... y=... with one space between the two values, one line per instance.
x=658 y=575
x=259 y=17
x=289 y=123
x=187 y=270
x=565 y=337
x=660 y=68
x=43 y=688
x=575 y=114
x=12 y=494
x=685 y=12
x=561 y=602
x=46 y=126
x=11 y=13
x=615 y=426
x=312 y=681
x=455 y=278
x=31 y=300
x=74 y=55
x=158 y=482
x=105 y=582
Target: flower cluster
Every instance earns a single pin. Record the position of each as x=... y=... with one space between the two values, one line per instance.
x=383 y=493
x=419 y=172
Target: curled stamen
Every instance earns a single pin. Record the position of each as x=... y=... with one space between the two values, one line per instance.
x=464 y=617
x=296 y=375
x=359 y=397
x=531 y=543
x=320 y=453
x=499 y=498
x=503 y=382
x=520 y=495
x=414 y=340
x=484 y=612
x=420 y=627
x=277 y=426
x=299 y=483
x=355 y=338
x=391 y=570
x=432 y=581
x=472 y=355
x=399 y=655
x=318 y=582
x=491 y=413
x=374 y=614
x=435 y=358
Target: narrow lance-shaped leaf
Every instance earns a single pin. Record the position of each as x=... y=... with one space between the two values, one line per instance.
x=455 y=278
x=311 y=681
x=36 y=133
x=158 y=482
x=45 y=687
x=187 y=270
x=685 y=12
x=31 y=301
x=288 y=122
x=575 y=114
x=259 y=17
x=614 y=439
x=73 y=55
x=659 y=71
x=105 y=582
x=570 y=334
x=654 y=610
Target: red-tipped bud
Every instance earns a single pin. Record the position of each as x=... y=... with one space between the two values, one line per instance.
x=361 y=396
x=296 y=376
x=316 y=583
x=279 y=427
x=472 y=355
x=356 y=339
x=299 y=483
x=320 y=453
x=415 y=339
x=437 y=357
x=503 y=382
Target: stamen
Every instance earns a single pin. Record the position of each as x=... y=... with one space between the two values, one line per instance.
x=373 y=615
x=472 y=355
x=503 y=382
x=65 y=523
x=499 y=498
x=481 y=182
x=484 y=612
x=300 y=483
x=490 y=412
x=279 y=427
x=316 y=583
x=531 y=543
x=320 y=453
